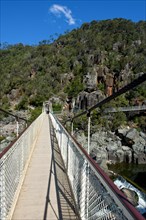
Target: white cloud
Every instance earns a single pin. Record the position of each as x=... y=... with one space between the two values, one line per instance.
x=59 y=9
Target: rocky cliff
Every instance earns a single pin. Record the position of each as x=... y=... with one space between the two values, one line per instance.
x=127 y=145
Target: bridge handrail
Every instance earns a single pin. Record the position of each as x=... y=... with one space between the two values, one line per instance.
x=85 y=175
x=13 y=161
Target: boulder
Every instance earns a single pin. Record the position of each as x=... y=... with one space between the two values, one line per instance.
x=137 y=142
x=93 y=145
x=122 y=132
x=126 y=148
x=82 y=139
x=139 y=157
x=99 y=137
x=98 y=154
x=132 y=134
x=119 y=143
x=112 y=146
x=120 y=155
x=131 y=195
x=104 y=154
x=143 y=135
x=105 y=145
x=127 y=154
x=95 y=136
x=139 y=147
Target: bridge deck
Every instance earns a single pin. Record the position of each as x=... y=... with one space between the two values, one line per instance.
x=45 y=192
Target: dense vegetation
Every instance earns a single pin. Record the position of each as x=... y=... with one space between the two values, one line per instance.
x=32 y=74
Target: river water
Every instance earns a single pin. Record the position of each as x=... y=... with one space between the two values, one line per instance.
x=136 y=173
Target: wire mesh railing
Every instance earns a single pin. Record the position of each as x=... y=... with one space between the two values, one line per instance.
x=96 y=196
x=12 y=164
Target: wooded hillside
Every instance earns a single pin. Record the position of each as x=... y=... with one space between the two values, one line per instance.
x=31 y=74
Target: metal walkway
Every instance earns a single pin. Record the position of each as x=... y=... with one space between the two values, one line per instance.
x=34 y=184
x=33 y=180
x=45 y=193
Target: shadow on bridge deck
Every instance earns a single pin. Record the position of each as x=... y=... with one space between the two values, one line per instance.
x=46 y=192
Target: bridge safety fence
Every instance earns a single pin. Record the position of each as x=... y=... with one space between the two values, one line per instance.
x=96 y=196
x=13 y=162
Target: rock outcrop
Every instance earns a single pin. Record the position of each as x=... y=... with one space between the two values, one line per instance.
x=88 y=99
x=8 y=128
x=136 y=141
x=128 y=146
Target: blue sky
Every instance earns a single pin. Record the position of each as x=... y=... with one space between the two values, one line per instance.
x=31 y=21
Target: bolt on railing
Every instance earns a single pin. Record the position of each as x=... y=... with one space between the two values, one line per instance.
x=95 y=194
x=13 y=161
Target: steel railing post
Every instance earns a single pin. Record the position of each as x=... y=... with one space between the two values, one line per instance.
x=89 y=122
x=17 y=128
x=72 y=128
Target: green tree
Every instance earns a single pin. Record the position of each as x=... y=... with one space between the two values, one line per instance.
x=23 y=104
x=74 y=87
x=119 y=119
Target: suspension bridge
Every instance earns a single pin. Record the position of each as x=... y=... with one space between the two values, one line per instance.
x=138 y=108
x=46 y=174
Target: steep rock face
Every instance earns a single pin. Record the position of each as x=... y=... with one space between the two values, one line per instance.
x=127 y=154
x=125 y=76
x=110 y=84
x=137 y=142
x=81 y=101
x=8 y=128
x=90 y=81
x=106 y=146
x=86 y=99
